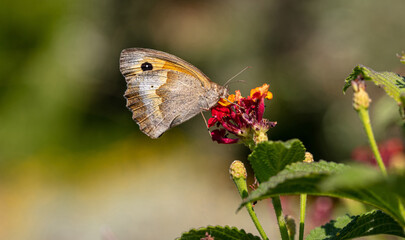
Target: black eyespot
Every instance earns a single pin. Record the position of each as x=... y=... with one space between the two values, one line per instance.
x=146 y=66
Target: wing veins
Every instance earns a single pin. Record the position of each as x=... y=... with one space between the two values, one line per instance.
x=150 y=114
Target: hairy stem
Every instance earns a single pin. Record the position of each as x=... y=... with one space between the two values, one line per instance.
x=365 y=119
x=255 y=220
x=280 y=218
x=238 y=173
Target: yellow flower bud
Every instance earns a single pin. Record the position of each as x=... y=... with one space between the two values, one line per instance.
x=361 y=99
x=237 y=170
x=308 y=157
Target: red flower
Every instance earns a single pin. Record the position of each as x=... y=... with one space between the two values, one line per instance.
x=242 y=117
x=391 y=152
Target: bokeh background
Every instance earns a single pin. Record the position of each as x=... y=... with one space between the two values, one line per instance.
x=73 y=164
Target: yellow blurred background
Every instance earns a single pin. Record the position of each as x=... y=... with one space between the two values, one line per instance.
x=73 y=164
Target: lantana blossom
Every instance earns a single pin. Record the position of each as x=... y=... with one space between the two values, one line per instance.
x=242 y=117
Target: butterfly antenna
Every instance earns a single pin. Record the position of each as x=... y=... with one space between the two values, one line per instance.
x=226 y=83
x=241 y=81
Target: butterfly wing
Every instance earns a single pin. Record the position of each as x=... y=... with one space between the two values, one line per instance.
x=162 y=90
x=132 y=60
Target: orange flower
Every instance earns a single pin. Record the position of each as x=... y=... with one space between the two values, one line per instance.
x=238 y=96
x=269 y=95
x=261 y=91
x=231 y=99
x=226 y=102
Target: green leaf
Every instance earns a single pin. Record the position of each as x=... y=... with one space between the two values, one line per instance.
x=335 y=180
x=396 y=183
x=329 y=230
x=296 y=178
x=269 y=158
x=392 y=83
x=217 y=233
x=348 y=227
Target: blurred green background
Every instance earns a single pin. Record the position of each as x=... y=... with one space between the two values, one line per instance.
x=73 y=164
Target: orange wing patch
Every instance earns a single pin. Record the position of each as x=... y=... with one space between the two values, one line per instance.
x=158 y=64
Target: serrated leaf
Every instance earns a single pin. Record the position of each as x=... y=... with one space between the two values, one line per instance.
x=218 y=233
x=392 y=83
x=269 y=158
x=329 y=230
x=319 y=178
x=296 y=178
x=355 y=176
x=348 y=227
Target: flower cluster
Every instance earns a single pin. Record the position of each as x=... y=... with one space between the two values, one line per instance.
x=242 y=117
x=392 y=153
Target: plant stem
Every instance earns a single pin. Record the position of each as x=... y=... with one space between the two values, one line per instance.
x=365 y=119
x=280 y=218
x=303 y=204
x=238 y=174
x=255 y=220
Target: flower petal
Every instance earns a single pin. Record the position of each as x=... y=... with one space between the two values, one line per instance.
x=212 y=121
x=219 y=136
x=260 y=110
x=239 y=115
x=269 y=95
x=259 y=91
x=219 y=111
x=226 y=102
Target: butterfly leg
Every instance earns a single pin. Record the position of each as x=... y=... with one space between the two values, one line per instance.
x=206 y=123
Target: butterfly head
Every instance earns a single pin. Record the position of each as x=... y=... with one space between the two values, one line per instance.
x=220 y=90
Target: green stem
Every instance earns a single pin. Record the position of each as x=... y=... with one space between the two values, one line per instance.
x=280 y=218
x=303 y=204
x=365 y=119
x=255 y=220
x=242 y=188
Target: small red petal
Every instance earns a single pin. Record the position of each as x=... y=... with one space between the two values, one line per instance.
x=212 y=121
x=220 y=111
x=260 y=110
x=229 y=140
x=218 y=135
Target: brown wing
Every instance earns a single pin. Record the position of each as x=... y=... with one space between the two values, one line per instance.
x=162 y=93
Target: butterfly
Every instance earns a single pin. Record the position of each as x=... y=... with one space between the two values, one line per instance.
x=164 y=91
